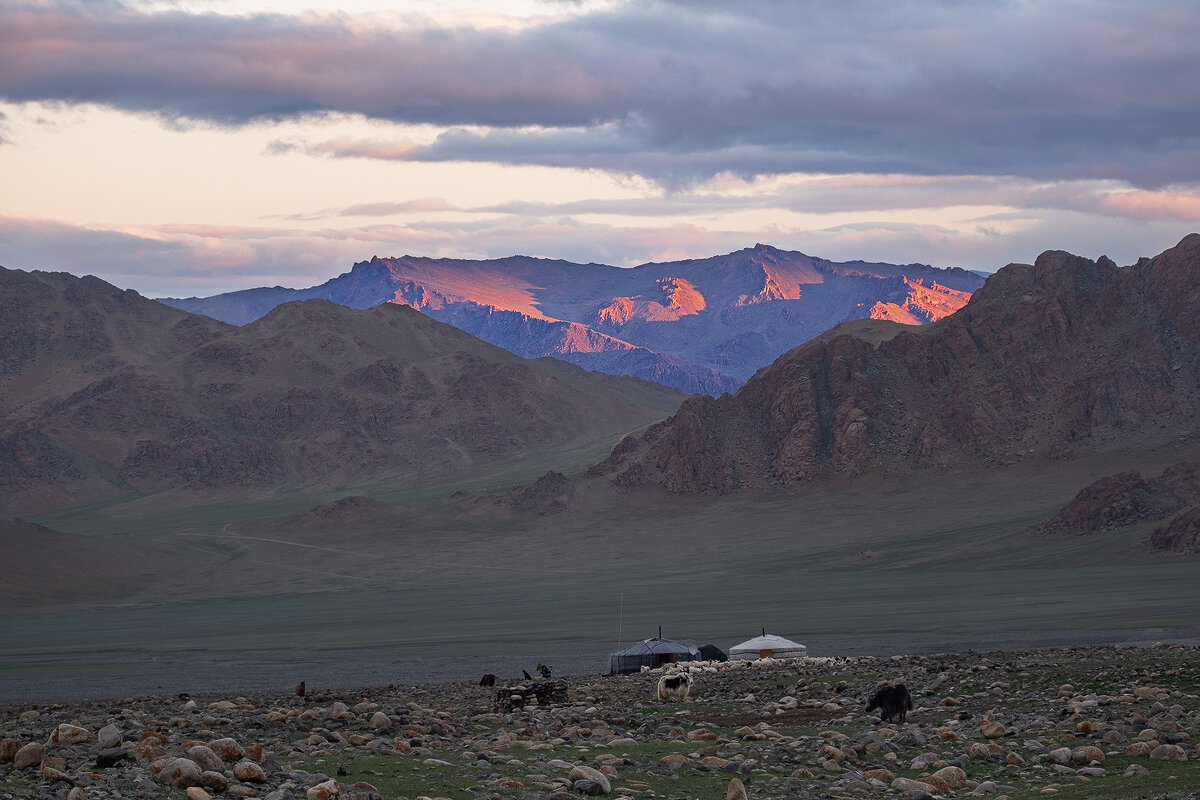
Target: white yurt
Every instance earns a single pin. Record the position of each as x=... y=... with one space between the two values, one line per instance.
x=767 y=646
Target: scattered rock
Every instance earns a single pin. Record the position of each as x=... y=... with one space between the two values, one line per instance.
x=811 y=739
x=582 y=773
x=110 y=757
x=67 y=733
x=28 y=756
x=180 y=773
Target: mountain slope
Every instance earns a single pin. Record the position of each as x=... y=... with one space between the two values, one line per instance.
x=1067 y=354
x=702 y=325
x=108 y=394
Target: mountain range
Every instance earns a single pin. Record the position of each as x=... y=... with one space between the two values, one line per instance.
x=107 y=394
x=1049 y=360
x=703 y=326
x=325 y=477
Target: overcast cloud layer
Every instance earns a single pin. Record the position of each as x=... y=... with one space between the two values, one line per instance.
x=1046 y=89
x=1075 y=108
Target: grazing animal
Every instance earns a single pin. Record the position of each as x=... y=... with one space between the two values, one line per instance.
x=892 y=701
x=543 y=670
x=300 y=689
x=674 y=687
x=488 y=680
x=525 y=672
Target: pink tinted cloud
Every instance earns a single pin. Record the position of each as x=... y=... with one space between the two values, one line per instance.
x=1145 y=205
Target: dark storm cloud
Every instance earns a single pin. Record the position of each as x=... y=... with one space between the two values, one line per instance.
x=672 y=91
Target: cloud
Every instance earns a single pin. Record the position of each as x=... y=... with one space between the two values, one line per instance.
x=421 y=205
x=677 y=92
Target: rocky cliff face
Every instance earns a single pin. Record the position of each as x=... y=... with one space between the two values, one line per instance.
x=106 y=393
x=1046 y=359
x=702 y=326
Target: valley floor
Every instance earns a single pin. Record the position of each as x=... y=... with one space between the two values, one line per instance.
x=261 y=594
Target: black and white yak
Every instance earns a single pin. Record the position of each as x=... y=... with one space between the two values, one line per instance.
x=674 y=687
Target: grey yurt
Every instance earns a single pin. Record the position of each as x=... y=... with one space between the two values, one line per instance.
x=767 y=646
x=651 y=653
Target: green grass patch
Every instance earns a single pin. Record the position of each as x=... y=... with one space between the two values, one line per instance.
x=1167 y=780
x=400 y=775
x=405 y=774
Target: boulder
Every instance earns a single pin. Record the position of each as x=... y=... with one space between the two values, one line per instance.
x=950 y=777
x=180 y=773
x=249 y=772
x=54 y=769
x=214 y=780
x=28 y=756
x=1060 y=755
x=108 y=737
x=1169 y=752
x=227 y=749
x=327 y=790
x=910 y=785
x=110 y=757
x=582 y=773
x=205 y=758
x=67 y=733
x=992 y=730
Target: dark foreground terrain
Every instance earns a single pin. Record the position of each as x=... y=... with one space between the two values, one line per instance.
x=1082 y=722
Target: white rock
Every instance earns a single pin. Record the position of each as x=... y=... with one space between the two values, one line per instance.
x=108 y=737
x=581 y=773
x=67 y=733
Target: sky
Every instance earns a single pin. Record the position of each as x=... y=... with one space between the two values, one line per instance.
x=192 y=147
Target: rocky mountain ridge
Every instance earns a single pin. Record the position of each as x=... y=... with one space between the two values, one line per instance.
x=702 y=325
x=1062 y=355
x=106 y=393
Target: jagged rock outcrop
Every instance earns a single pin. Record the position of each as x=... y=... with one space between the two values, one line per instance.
x=1060 y=356
x=548 y=494
x=1127 y=498
x=1179 y=535
x=701 y=326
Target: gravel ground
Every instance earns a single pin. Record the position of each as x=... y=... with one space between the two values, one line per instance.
x=1074 y=722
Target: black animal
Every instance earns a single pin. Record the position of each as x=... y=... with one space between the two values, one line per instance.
x=525 y=672
x=488 y=680
x=892 y=701
x=543 y=670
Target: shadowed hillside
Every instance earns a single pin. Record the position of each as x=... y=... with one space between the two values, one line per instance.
x=107 y=394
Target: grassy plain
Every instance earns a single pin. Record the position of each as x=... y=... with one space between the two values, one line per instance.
x=430 y=584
